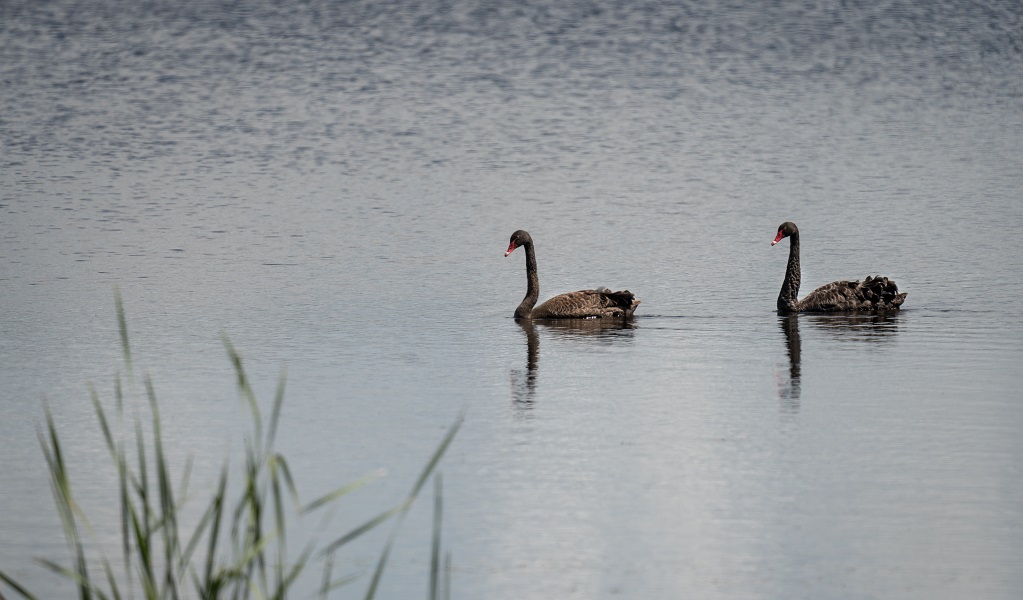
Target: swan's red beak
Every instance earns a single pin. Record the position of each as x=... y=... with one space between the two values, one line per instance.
x=778 y=239
x=511 y=248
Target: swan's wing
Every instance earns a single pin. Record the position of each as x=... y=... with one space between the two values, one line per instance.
x=587 y=304
x=873 y=293
x=834 y=296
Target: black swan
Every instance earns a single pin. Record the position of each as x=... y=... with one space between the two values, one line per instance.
x=874 y=293
x=584 y=304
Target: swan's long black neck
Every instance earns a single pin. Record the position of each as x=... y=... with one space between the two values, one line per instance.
x=532 y=284
x=787 y=301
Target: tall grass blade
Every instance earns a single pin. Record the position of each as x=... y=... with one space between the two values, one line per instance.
x=382 y=561
x=281 y=466
x=111 y=581
x=285 y=582
x=118 y=398
x=243 y=384
x=104 y=426
x=327 y=584
x=438 y=453
x=328 y=567
x=361 y=529
x=438 y=512
x=277 y=468
x=125 y=501
x=61 y=486
x=142 y=523
x=16 y=587
x=275 y=414
x=280 y=530
x=142 y=552
x=216 y=510
x=186 y=478
x=122 y=324
x=73 y=575
x=249 y=555
x=342 y=491
x=185 y=558
x=168 y=510
x=446 y=593
x=257 y=539
x=117 y=454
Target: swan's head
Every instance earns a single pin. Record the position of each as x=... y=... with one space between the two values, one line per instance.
x=519 y=238
x=785 y=230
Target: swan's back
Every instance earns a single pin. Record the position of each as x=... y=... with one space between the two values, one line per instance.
x=588 y=304
x=873 y=293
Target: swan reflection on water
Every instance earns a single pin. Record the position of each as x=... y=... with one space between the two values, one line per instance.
x=789 y=391
x=602 y=331
x=523 y=388
x=874 y=328
x=877 y=327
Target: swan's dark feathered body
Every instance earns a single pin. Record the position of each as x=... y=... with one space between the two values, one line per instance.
x=584 y=304
x=873 y=293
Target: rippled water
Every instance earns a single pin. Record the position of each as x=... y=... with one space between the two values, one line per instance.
x=333 y=185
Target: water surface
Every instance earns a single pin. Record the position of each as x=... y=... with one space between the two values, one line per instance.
x=332 y=185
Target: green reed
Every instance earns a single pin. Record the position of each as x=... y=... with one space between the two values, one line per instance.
x=238 y=549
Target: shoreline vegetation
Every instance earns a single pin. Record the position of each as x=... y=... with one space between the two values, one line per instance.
x=239 y=547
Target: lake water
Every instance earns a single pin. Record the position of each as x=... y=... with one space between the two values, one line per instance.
x=332 y=185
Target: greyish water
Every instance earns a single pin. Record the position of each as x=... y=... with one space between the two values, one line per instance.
x=333 y=184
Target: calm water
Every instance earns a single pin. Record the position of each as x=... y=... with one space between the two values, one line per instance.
x=333 y=184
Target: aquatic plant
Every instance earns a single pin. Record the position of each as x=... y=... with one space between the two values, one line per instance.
x=238 y=548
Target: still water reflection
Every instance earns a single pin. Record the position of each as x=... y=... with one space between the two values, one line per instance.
x=862 y=328
x=575 y=332
x=789 y=389
x=523 y=385
x=876 y=328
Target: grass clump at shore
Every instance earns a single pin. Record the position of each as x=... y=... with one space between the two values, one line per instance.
x=238 y=549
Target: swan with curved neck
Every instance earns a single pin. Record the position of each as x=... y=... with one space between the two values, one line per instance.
x=584 y=304
x=873 y=293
